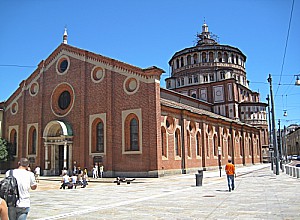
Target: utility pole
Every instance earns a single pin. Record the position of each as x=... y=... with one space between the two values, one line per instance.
x=276 y=156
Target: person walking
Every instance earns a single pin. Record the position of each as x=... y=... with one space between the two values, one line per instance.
x=26 y=181
x=37 y=173
x=230 y=172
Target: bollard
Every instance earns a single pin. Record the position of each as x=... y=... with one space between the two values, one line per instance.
x=199 y=178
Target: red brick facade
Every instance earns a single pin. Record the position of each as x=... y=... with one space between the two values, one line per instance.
x=84 y=108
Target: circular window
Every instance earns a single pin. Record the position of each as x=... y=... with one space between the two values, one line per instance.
x=170 y=124
x=62 y=99
x=62 y=65
x=192 y=126
x=14 y=108
x=34 y=89
x=131 y=85
x=97 y=74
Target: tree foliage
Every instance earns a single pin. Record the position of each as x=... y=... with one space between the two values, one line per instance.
x=3 y=150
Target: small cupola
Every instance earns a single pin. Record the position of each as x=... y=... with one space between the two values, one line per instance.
x=65 y=37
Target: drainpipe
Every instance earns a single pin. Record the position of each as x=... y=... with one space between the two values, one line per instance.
x=183 y=168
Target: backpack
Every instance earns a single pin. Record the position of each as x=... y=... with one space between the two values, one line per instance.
x=9 y=190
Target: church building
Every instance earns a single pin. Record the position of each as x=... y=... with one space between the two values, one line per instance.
x=79 y=108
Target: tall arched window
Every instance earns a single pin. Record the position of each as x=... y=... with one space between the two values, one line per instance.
x=32 y=140
x=220 y=57
x=189 y=143
x=132 y=141
x=13 y=140
x=215 y=143
x=189 y=60
x=134 y=135
x=98 y=136
x=177 y=143
x=211 y=57
x=204 y=60
x=195 y=58
x=229 y=147
x=225 y=57
x=164 y=142
x=241 y=148
x=198 y=144
x=250 y=147
x=177 y=64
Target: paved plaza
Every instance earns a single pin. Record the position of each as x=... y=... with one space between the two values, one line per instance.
x=259 y=194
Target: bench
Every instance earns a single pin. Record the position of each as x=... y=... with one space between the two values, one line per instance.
x=120 y=180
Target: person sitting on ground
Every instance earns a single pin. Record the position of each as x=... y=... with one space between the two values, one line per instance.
x=74 y=181
x=3 y=210
x=65 y=181
x=84 y=179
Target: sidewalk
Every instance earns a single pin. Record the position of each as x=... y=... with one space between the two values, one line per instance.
x=259 y=194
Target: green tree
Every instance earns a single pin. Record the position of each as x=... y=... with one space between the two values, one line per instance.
x=3 y=150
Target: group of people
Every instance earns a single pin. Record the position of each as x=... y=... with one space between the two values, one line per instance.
x=26 y=181
x=78 y=177
x=97 y=170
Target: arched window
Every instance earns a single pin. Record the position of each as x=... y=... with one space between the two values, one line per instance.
x=215 y=143
x=164 y=142
x=220 y=57
x=188 y=143
x=198 y=144
x=177 y=143
x=241 y=148
x=211 y=57
x=98 y=136
x=229 y=147
x=13 y=141
x=32 y=140
x=177 y=63
x=195 y=58
x=250 y=147
x=181 y=62
x=225 y=57
x=132 y=140
x=189 y=60
x=204 y=57
x=134 y=135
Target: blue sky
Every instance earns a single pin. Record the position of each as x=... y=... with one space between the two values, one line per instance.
x=148 y=32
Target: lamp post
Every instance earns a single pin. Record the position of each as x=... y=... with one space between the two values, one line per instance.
x=276 y=155
x=219 y=158
x=297 y=82
x=271 y=150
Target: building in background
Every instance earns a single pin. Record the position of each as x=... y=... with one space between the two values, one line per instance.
x=79 y=108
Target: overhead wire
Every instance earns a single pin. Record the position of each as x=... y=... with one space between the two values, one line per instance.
x=286 y=43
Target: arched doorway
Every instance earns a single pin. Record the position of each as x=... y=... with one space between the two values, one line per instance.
x=58 y=142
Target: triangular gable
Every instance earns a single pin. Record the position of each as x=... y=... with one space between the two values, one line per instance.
x=86 y=56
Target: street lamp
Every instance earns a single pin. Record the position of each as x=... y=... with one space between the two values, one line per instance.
x=297 y=82
x=276 y=154
x=219 y=158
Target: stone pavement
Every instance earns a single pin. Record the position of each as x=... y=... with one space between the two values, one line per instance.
x=259 y=194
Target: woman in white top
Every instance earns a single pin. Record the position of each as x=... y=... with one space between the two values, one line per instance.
x=3 y=210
